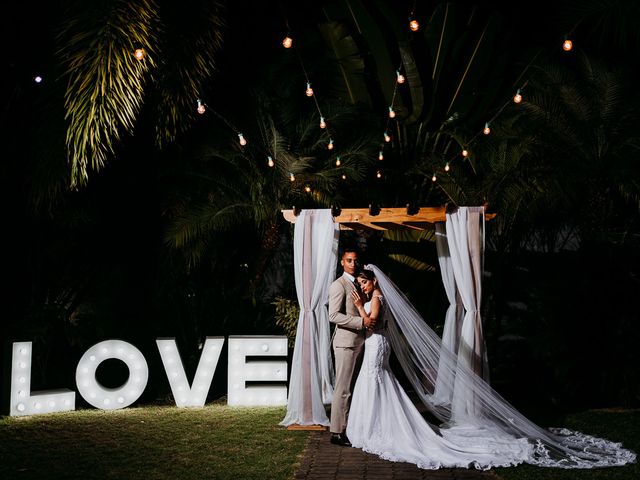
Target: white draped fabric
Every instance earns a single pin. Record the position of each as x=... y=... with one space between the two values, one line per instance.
x=312 y=374
x=453 y=317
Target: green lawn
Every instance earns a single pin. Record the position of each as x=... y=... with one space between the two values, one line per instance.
x=619 y=426
x=214 y=442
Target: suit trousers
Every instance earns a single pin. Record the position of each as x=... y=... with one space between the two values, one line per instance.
x=348 y=361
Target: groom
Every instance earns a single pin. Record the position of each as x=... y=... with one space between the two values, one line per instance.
x=348 y=342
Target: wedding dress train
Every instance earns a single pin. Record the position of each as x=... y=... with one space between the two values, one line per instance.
x=482 y=429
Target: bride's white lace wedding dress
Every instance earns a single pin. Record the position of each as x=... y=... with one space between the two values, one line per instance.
x=384 y=421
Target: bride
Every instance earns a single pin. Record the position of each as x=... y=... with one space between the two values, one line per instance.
x=480 y=429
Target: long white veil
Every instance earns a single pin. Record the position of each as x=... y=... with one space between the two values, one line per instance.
x=474 y=403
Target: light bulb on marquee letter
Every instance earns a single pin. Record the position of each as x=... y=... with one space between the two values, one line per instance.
x=24 y=402
x=241 y=371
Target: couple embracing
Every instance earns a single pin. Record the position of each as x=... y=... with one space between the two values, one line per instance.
x=371 y=410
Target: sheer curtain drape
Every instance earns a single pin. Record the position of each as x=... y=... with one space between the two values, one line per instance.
x=453 y=317
x=312 y=375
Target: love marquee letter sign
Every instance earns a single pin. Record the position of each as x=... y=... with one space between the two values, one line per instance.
x=241 y=369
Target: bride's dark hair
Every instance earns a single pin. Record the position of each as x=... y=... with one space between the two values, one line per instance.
x=366 y=274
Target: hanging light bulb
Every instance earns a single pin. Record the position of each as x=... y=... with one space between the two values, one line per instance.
x=292 y=177
x=287 y=42
x=434 y=178
x=387 y=138
x=344 y=177
x=323 y=124
x=307 y=189
x=392 y=114
x=330 y=146
x=139 y=53
x=270 y=162
x=517 y=97
x=414 y=25
x=567 y=45
x=37 y=79
x=400 y=78
x=486 y=130
x=465 y=153
x=309 y=90
x=378 y=174
x=380 y=155
x=446 y=167
x=243 y=141
x=338 y=162
x=201 y=108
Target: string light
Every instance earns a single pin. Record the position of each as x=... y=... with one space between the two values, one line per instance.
x=287 y=42
x=37 y=79
x=414 y=25
x=201 y=108
x=380 y=155
x=330 y=146
x=338 y=162
x=517 y=98
x=323 y=124
x=387 y=138
x=392 y=114
x=243 y=141
x=307 y=189
x=270 y=162
x=446 y=167
x=292 y=177
x=434 y=178
x=344 y=177
x=400 y=77
x=309 y=90
x=465 y=153
x=379 y=174
x=567 y=45
x=139 y=53
x=486 y=130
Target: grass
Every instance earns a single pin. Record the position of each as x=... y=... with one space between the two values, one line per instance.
x=620 y=426
x=214 y=442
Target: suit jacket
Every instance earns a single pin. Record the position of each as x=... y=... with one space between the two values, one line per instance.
x=349 y=330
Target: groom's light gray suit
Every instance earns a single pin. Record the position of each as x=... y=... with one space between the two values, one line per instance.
x=348 y=341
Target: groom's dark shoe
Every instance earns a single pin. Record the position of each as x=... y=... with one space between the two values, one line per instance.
x=340 y=439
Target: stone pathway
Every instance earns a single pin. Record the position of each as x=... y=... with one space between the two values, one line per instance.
x=325 y=461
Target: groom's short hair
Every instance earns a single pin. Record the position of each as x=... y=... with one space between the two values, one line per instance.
x=349 y=248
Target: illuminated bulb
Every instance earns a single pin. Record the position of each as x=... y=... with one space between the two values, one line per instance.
x=307 y=189
x=23 y=351
x=446 y=167
x=517 y=97
x=379 y=174
x=309 y=90
x=392 y=114
x=270 y=161
x=292 y=177
x=243 y=142
x=322 y=123
x=387 y=138
x=287 y=42
x=344 y=177
x=567 y=45
x=139 y=53
x=486 y=130
x=330 y=146
x=21 y=407
x=465 y=153
x=414 y=25
x=400 y=78
x=37 y=79
x=338 y=162
x=201 y=108
x=380 y=155
x=434 y=178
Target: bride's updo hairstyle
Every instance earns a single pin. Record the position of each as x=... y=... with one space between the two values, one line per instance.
x=367 y=275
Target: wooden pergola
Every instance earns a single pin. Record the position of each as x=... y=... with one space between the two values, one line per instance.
x=386 y=218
